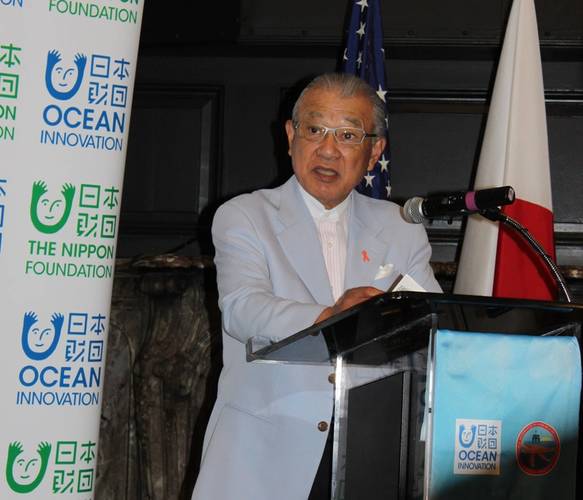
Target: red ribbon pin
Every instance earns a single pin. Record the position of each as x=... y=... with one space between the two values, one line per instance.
x=365 y=257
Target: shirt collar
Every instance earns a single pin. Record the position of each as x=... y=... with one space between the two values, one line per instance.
x=319 y=212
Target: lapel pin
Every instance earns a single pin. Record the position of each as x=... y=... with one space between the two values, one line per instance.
x=365 y=257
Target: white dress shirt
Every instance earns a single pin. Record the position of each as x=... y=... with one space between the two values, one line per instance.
x=332 y=228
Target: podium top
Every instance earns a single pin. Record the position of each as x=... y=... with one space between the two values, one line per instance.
x=394 y=324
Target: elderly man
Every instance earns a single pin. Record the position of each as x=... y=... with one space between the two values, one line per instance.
x=287 y=258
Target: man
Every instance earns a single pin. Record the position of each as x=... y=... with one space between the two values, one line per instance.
x=287 y=258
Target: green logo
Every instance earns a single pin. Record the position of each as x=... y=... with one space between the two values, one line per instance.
x=9 y=81
x=23 y=474
x=50 y=215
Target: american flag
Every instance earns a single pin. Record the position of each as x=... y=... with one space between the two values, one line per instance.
x=364 y=56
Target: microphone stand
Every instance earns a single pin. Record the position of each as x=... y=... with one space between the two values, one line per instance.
x=496 y=215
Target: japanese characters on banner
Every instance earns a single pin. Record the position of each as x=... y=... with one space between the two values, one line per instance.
x=67 y=70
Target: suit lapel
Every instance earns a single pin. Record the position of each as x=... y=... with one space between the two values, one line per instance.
x=365 y=253
x=301 y=244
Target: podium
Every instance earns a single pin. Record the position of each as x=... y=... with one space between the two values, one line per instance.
x=387 y=395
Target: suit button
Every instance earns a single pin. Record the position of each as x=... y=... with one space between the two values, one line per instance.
x=332 y=378
x=323 y=426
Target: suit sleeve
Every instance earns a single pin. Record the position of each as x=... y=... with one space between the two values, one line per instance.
x=248 y=304
x=418 y=266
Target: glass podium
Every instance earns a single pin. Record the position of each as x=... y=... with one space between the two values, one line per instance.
x=382 y=354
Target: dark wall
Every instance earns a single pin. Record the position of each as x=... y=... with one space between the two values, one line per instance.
x=212 y=85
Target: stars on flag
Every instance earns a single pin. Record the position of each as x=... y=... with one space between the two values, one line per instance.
x=383 y=162
x=364 y=56
x=369 y=178
x=381 y=93
x=363 y=5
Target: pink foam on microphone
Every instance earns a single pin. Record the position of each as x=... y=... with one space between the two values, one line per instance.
x=470 y=200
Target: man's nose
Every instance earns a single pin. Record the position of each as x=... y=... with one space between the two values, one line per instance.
x=328 y=148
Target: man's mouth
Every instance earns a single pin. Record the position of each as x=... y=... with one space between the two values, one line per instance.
x=326 y=173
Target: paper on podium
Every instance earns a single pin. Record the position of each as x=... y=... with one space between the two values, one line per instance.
x=405 y=284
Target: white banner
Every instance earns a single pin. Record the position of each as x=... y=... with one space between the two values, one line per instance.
x=67 y=71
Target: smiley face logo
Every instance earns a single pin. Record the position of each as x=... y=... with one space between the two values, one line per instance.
x=64 y=80
x=466 y=436
x=39 y=343
x=50 y=213
x=25 y=472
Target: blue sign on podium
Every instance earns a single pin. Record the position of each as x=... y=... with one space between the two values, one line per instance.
x=505 y=416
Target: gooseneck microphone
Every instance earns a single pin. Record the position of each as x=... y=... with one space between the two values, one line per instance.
x=460 y=203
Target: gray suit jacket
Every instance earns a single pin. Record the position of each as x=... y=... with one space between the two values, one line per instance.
x=262 y=441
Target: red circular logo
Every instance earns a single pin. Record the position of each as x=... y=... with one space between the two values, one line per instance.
x=537 y=449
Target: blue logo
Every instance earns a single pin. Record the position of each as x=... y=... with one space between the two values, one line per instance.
x=40 y=343
x=63 y=81
x=89 y=99
x=76 y=342
x=466 y=438
x=477 y=447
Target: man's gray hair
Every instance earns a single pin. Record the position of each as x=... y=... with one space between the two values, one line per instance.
x=347 y=85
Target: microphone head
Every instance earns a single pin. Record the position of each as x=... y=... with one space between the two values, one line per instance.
x=412 y=211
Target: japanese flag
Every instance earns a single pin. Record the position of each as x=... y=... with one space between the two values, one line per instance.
x=495 y=261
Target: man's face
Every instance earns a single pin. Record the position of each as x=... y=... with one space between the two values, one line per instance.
x=328 y=170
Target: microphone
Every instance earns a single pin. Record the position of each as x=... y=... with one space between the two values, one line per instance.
x=461 y=203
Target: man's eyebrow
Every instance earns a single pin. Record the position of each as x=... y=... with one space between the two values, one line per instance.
x=315 y=114
x=354 y=121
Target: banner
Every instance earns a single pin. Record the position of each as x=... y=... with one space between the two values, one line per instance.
x=67 y=71
x=505 y=416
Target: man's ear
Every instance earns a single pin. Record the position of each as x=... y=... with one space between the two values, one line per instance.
x=377 y=149
x=290 y=132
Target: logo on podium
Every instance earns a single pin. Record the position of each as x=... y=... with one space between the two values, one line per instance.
x=477 y=447
x=537 y=449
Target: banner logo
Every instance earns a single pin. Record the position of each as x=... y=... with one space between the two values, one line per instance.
x=50 y=214
x=72 y=467
x=24 y=474
x=537 y=449
x=63 y=81
x=61 y=373
x=92 y=215
x=477 y=447
x=89 y=98
x=40 y=343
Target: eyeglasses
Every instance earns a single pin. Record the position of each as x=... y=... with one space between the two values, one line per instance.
x=342 y=135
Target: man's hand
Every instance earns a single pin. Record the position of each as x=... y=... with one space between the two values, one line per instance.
x=348 y=299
